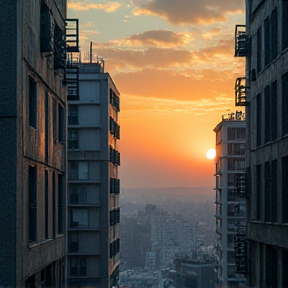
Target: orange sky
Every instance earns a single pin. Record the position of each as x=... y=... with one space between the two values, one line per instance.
x=173 y=63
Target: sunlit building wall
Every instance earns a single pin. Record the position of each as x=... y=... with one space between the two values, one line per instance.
x=32 y=155
x=266 y=43
x=230 y=210
x=93 y=180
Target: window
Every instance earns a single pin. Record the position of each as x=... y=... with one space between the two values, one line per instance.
x=236 y=164
x=259 y=50
x=258 y=192
x=284 y=189
x=61 y=203
x=274 y=34
x=267 y=41
x=285 y=262
x=274 y=186
x=231 y=256
x=271 y=267
x=46 y=205
x=267 y=114
x=46 y=127
x=268 y=197
x=285 y=104
x=54 y=112
x=78 y=267
x=32 y=102
x=259 y=120
x=274 y=109
x=73 y=114
x=54 y=204
x=236 y=149
x=231 y=179
x=46 y=30
x=78 y=194
x=236 y=133
x=32 y=204
x=73 y=139
x=231 y=271
x=78 y=170
x=73 y=242
x=284 y=24
x=61 y=124
x=79 y=218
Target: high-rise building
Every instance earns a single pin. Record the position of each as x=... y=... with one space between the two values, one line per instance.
x=230 y=211
x=264 y=92
x=33 y=152
x=93 y=179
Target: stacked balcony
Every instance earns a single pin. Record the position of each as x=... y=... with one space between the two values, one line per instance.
x=241 y=185
x=241 y=41
x=240 y=92
x=241 y=251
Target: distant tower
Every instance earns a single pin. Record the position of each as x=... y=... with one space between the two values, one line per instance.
x=230 y=208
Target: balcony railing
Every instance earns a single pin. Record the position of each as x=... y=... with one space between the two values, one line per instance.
x=241 y=41
x=240 y=92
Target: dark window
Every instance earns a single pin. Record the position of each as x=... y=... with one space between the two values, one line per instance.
x=46 y=127
x=271 y=267
x=32 y=102
x=267 y=41
x=73 y=242
x=285 y=104
x=267 y=114
x=285 y=262
x=60 y=204
x=284 y=189
x=54 y=204
x=61 y=123
x=274 y=34
x=231 y=133
x=284 y=24
x=46 y=205
x=32 y=204
x=54 y=111
x=73 y=170
x=73 y=139
x=259 y=120
x=259 y=50
x=258 y=192
x=274 y=109
x=236 y=149
x=46 y=30
x=73 y=114
x=274 y=185
x=268 y=197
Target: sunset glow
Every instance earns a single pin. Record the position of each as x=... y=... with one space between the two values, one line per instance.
x=173 y=62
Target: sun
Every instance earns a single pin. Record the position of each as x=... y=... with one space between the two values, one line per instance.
x=211 y=153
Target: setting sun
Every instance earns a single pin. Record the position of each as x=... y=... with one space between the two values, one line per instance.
x=211 y=153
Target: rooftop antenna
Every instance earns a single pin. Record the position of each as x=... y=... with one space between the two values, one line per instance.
x=91 y=52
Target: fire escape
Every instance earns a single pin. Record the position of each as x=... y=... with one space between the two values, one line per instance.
x=72 y=48
x=241 y=50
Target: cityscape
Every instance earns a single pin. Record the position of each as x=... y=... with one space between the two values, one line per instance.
x=107 y=111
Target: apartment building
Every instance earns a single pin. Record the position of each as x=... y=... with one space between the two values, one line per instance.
x=230 y=210
x=32 y=133
x=264 y=92
x=93 y=179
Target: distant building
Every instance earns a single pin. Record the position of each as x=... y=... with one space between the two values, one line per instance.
x=264 y=92
x=230 y=208
x=196 y=274
x=33 y=149
x=93 y=179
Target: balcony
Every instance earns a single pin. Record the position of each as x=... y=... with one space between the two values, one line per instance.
x=240 y=92
x=240 y=180
x=241 y=41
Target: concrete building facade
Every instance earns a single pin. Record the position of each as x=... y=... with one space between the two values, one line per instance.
x=32 y=133
x=265 y=45
x=93 y=180
x=230 y=210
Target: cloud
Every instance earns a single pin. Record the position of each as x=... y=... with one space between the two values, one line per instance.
x=189 y=11
x=159 y=38
x=165 y=84
x=108 y=7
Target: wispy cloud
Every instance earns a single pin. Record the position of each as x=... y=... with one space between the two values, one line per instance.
x=108 y=7
x=189 y=11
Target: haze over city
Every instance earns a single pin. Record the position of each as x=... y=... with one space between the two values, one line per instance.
x=173 y=62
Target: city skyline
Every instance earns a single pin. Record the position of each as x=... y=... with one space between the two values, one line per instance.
x=175 y=68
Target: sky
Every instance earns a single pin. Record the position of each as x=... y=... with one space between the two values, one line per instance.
x=173 y=63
